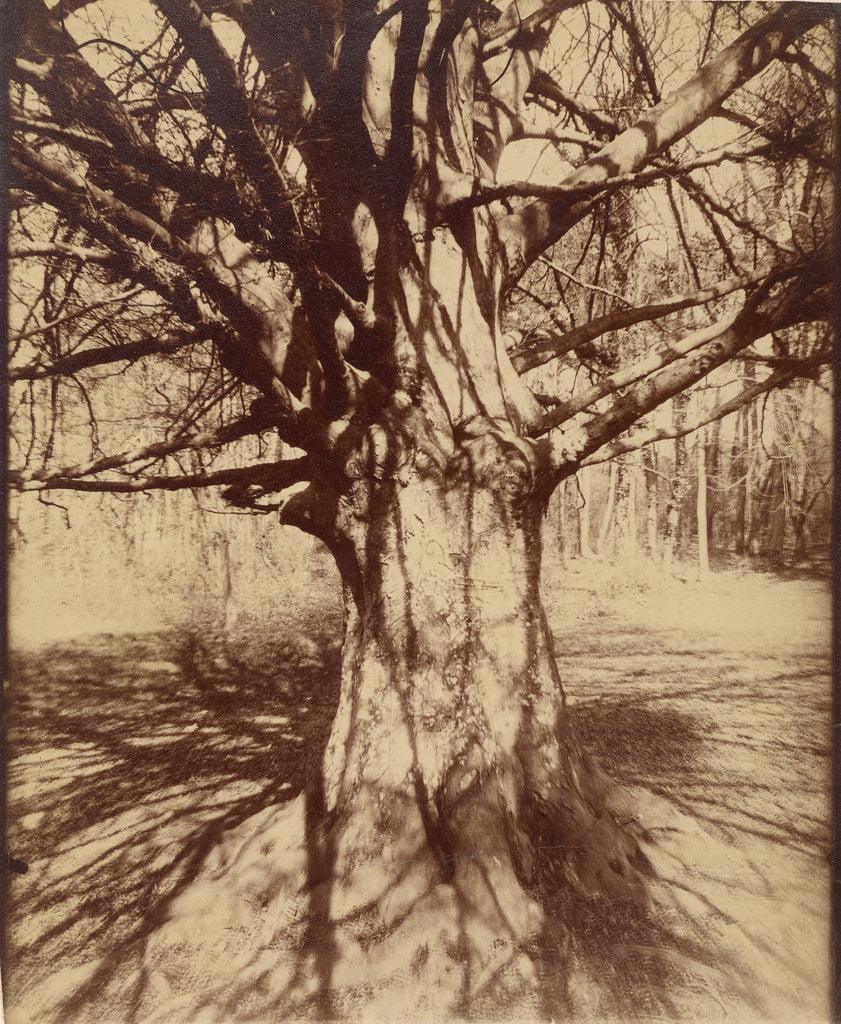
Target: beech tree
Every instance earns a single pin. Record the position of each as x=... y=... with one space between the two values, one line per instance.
x=336 y=248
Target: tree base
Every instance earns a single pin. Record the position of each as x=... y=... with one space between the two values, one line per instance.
x=250 y=940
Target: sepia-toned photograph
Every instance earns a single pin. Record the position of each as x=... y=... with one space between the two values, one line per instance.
x=419 y=501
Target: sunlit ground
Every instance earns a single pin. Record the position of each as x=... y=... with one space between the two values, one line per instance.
x=129 y=753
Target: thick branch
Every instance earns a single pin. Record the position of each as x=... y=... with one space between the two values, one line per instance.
x=268 y=475
x=111 y=222
x=228 y=107
x=801 y=304
x=471 y=191
x=129 y=161
x=254 y=346
x=531 y=231
x=551 y=347
x=247 y=426
x=526 y=17
x=508 y=70
x=630 y=374
x=778 y=379
x=24 y=251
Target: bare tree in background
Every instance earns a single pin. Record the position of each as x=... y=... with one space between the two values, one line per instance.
x=367 y=231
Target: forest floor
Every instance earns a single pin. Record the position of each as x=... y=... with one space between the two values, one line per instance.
x=129 y=754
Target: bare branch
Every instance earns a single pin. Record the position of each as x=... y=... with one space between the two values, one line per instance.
x=703 y=199
x=557 y=345
x=779 y=379
x=582 y=284
x=87 y=358
x=23 y=251
x=51 y=324
x=638 y=46
x=248 y=425
x=543 y=85
x=83 y=141
x=268 y=475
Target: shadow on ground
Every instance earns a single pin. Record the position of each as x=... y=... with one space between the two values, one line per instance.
x=128 y=757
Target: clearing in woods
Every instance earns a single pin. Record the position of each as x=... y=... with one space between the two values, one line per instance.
x=129 y=756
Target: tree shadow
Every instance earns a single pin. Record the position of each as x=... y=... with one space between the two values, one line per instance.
x=663 y=954
x=128 y=757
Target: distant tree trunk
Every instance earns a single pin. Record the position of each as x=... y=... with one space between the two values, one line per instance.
x=572 y=528
x=584 y=485
x=778 y=513
x=560 y=499
x=766 y=505
x=625 y=548
x=677 y=495
x=713 y=467
x=230 y=608
x=799 y=505
x=755 y=476
x=702 y=520
x=608 y=513
x=651 y=503
x=799 y=523
x=739 y=479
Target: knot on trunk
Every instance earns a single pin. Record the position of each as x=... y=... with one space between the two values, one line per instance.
x=500 y=463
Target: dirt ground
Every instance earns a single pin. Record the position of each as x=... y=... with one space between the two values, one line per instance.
x=129 y=754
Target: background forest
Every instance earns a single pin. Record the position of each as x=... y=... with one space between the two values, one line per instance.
x=760 y=481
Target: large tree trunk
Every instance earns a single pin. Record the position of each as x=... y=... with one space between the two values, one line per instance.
x=452 y=786
x=453 y=809
x=453 y=806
